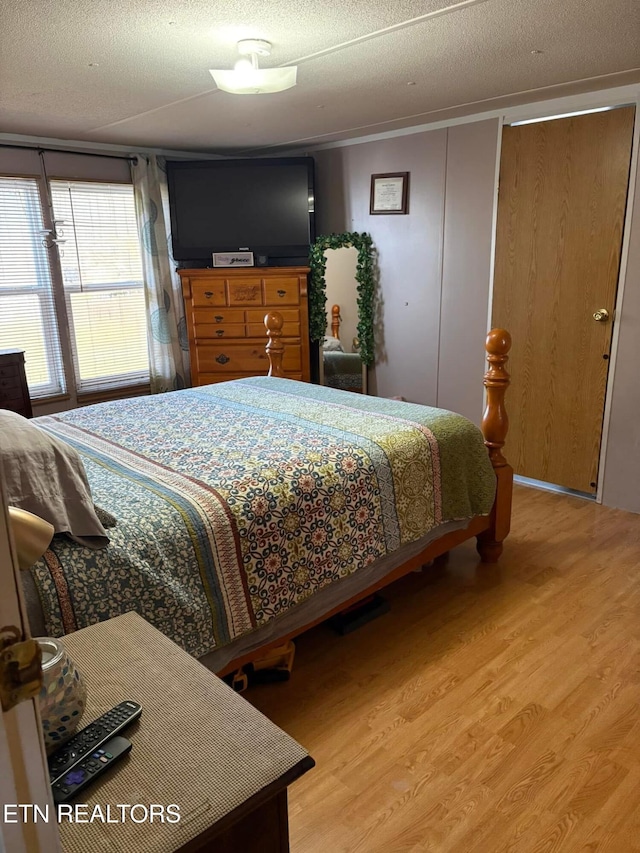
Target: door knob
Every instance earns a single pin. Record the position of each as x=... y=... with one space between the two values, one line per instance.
x=601 y=315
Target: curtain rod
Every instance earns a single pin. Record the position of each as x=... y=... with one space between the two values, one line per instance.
x=65 y=151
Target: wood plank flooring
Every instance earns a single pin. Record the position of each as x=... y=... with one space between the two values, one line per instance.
x=494 y=709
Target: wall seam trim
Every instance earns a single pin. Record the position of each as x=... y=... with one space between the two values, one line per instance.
x=622 y=277
x=494 y=235
x=441 y=263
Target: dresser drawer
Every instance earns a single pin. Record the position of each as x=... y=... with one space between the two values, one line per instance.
x=257 y=329
x=213 y=378
x=282 y=291
x=218 y=323
x=221 y=316
x=245 y=291
x=15 y=406
x=216 y=331
x=10 y=390
x=10 y=371
x=244 y=357
x=289 y=330
x=207 y=292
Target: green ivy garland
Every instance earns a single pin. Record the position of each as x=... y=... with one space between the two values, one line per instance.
x=365 y=287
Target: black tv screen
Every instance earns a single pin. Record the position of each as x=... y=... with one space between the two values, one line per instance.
x=265 y=206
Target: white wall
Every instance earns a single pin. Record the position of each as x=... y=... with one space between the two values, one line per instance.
x=434 y=263
x=622 y=453
x=466 y=273
x=408 y=251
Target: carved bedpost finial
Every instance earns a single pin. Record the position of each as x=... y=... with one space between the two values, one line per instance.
x=275 y=348
x=335 y=321
x=495 y=422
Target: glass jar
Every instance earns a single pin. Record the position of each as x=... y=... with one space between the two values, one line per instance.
x=63 y=693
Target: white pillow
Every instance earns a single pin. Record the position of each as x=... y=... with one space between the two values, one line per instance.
x=332 y=345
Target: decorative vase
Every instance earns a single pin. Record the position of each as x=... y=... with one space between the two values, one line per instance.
x=62 y=695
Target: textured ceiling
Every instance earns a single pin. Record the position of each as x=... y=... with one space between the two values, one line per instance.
x=135 y=72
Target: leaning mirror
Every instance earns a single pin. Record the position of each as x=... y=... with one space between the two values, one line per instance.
x=341 y=307
x=340 y=363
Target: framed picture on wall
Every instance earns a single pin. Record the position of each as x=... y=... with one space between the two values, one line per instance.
x=389 y=193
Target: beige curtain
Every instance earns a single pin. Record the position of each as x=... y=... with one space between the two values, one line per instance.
x=167 y=332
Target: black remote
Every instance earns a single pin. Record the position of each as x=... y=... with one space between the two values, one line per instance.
x=87 y=740
x=84 y=772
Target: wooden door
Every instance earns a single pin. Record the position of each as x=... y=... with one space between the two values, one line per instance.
x=561 y=207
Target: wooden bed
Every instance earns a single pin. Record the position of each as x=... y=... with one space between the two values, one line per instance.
x=489 y=531
x=111 y=588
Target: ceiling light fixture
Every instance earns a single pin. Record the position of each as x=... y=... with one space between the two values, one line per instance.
x=247 y=78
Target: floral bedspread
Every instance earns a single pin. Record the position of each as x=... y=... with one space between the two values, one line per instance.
x=236 y=501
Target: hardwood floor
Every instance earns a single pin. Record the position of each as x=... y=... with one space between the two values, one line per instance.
x=494 y=709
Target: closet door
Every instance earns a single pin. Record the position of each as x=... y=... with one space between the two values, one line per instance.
x=561 y=209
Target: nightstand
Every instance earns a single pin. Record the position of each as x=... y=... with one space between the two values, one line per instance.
x=198 y=745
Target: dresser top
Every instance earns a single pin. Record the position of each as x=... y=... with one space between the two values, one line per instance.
x=233 y=272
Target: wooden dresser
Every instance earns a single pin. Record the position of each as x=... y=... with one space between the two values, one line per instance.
x=225 y=311
x=14 y=392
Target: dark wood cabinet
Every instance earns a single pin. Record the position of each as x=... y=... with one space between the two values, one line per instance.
x=14 y=392
x=261 y=825
x=197 y=744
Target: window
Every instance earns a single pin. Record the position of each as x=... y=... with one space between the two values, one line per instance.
x=91 y=289
x=27 y=315
x=102 y=276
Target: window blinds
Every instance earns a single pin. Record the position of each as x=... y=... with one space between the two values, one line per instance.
x=101 y=266
x=27 y=315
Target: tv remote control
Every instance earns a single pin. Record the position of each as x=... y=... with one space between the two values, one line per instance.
x=91 y=737
x=83 y=773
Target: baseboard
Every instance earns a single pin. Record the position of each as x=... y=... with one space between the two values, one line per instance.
x=551 y=487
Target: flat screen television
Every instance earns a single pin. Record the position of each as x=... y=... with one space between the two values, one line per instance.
x=265 y=206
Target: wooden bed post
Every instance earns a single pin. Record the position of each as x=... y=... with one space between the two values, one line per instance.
x=495 y=424
x=275 y=348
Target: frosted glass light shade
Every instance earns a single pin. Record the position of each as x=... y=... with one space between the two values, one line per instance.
x=255 y=81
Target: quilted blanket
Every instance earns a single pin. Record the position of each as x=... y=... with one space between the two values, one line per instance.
x=236 y=501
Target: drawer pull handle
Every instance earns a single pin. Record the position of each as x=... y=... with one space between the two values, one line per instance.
x=218 y=318
x=222 y=358
x=282 y=293
x=208 y=293
x=219 y=333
